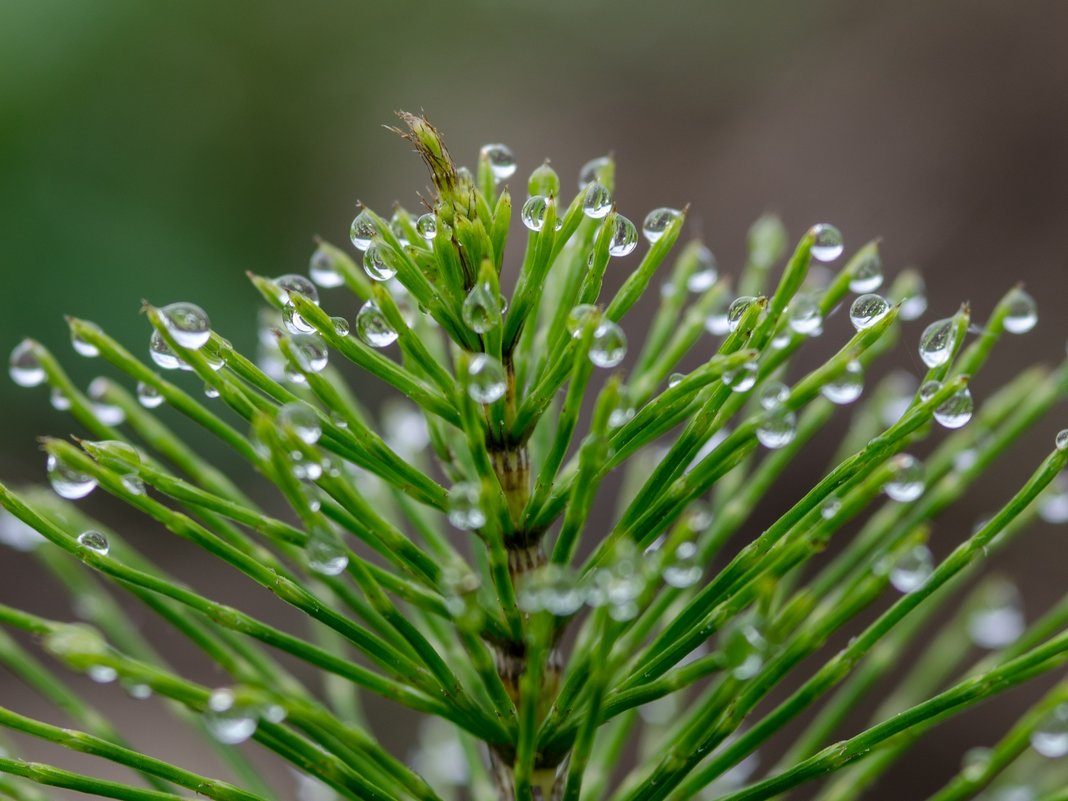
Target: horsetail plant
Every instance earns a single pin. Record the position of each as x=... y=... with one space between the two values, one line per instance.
x=455 y=554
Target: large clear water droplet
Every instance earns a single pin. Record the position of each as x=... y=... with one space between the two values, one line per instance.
x=487 y=381
x=776 y=428
x=1022 y=312
x=59 y=400
x=912 y=569
x=66 y=481
x=533 y=212
x=303 y=419
x=24 y=367
x=309 y=352
x=907 y=482
x=323 y=271
x=481 y=309
x=228 y=721
x=867 y=276
x=82 y=346
x=847 y=386
x=148 y=396
x=1061 y=440
x=501 y=161
x=914 y=306
x=465 y=506
x=341 y=326
x=805 y=315
x=623 y=411
x=826 y=242
x=737 y=310
x=373 y=327
x=743 y=648
x=188 y=324
x=657 y=222
x=94 y=541
x=294 y=323
x=928 y=389
x=772 y=395
x=1050 y=737
x=325 y=553
x=998 y=620
x=937 y=342
x=867 y=310
x=376 y=262
x=108 y=413
x=596 y=201
x=741 y=379
x=362 y=231
x=956 y=410
x=592 y=169
x=624 y=237
x=427 y=226
x=680 y=567
x=609 y=345
x=716 y=323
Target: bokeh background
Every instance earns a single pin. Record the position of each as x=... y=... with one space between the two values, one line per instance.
x=158 y=150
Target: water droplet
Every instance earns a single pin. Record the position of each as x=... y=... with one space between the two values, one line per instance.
x=372 y=326
x=24 y=367
x=912 y=569
x=737 y=310
x=624 y=237
x=826 y=242
x=867 y=276
x=66 y=481
x=623 y=411
x=998 y=620
x=1050 y=737
x=362 y=230
x=657 y=222
x=609 y=345
x=533 y=212
x=292 y=282
x=716 y=324
x=830 y=508
x=846 y=387
x=772 y=395
x=481 y=309
x=303 y=419
x=341 y=326
x=94 y=541
x=551 y=588
x=465 y=506
x=805 y=315
x=776 y=428
x=928 y=389
x=743 y=648
x=188 y=324
x=325 y=553
x=741 y=379
x=1061 y=440
x=1053 y=505
x=1021 y=314
x=161 y=353
x=501 y=161
x=376 y=263
x=228 y=721
x=82 y=346
x=914 y=306
x=309 y=352
x=956 y=410
x=937 y=342
x=907 y=482
x=974 y=763
x=675 y=379
x=487 y=380
x=681 y=568
x=60 y=402
x=210 y=392
x=148 y=396
x=323 y=271
x=427 y=226
x=705 y=277
x=596 y=201
x=137 y=690
x=867 y=310
x=107 y=413
x=577 y=317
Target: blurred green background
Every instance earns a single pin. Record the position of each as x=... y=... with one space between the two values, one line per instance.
x=159 y=149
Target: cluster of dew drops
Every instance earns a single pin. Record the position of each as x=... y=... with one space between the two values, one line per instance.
x=554 y=589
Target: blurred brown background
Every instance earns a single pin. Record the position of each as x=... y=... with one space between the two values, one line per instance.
x=160 y=149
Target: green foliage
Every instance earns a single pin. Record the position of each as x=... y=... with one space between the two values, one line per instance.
x=453 y=556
